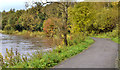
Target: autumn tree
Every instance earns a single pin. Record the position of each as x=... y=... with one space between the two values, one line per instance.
x=105 y=21
x=52 y=26
x=63 y=7
x=52 y=10
x=79 y=17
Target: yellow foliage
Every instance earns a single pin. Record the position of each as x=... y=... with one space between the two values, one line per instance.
x=114 y=3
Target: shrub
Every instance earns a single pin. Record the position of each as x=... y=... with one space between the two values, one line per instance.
x=76 y=38
x=51 y=26
x=9 y=29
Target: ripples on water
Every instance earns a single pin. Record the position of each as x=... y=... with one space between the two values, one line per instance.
x=23 y=46
x=0 y=43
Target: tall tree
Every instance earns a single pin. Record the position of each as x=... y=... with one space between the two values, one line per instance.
x=63 y=7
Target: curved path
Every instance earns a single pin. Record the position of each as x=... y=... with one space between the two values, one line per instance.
x=101 y=54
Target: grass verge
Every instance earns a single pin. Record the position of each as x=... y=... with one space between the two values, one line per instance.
x=115 y=39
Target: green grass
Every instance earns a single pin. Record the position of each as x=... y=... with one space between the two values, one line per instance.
x=115 y=38
x=52 y=58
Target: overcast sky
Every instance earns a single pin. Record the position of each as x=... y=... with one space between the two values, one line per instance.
x=16 y=4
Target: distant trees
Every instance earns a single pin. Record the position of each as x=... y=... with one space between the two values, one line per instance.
x=105 y=21
x=32 y=19
x=28 y=22
x=52 y=10
x=11 y=11
x=80 y=17
x=85 y=17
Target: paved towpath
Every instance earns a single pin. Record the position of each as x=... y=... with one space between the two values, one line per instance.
x=101 y=54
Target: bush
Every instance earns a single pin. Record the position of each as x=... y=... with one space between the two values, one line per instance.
x=51 y=26
x=9 y=29
x=76 y=38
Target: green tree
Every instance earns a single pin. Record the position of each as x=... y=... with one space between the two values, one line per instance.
x=104 y=21
x=79 y=17
x=63 y=8
x=52 y=10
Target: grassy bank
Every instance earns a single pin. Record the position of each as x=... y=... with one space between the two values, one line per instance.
x=51 y=58
x=24 y=33
x=113 y=38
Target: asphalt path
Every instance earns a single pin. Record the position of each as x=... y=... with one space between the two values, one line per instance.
x=101 y=54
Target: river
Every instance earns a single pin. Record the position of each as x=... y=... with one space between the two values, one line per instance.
x=22 y=44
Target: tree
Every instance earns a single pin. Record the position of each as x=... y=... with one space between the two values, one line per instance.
x=8 y=27
x=52 y=10
x=63 y=7
x=52 y=26
x=105 y=21
x=26 y=5
x=11 y=11
x=79 y=17
x=4 y=22
x=28 y=22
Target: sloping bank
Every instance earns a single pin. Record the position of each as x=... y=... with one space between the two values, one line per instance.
x=52 y=58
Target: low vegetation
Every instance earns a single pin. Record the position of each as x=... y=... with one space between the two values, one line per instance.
x=114 y=35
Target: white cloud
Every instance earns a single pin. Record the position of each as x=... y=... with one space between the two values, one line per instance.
x=8 y=4
x=19 y=4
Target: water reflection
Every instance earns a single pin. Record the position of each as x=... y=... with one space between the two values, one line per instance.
x=23 y=45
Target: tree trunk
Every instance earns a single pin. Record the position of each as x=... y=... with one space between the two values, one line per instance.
x=65 y=23
x=65 y=39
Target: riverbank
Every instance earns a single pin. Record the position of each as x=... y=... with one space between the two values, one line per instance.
x=52 y=58
x=24 y=33
x=32 y=36
x=37 y=35
x=23 y=45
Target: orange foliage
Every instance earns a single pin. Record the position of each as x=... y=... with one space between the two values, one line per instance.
x=50 y=26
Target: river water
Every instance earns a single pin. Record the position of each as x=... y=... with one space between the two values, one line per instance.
x=21 y=44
